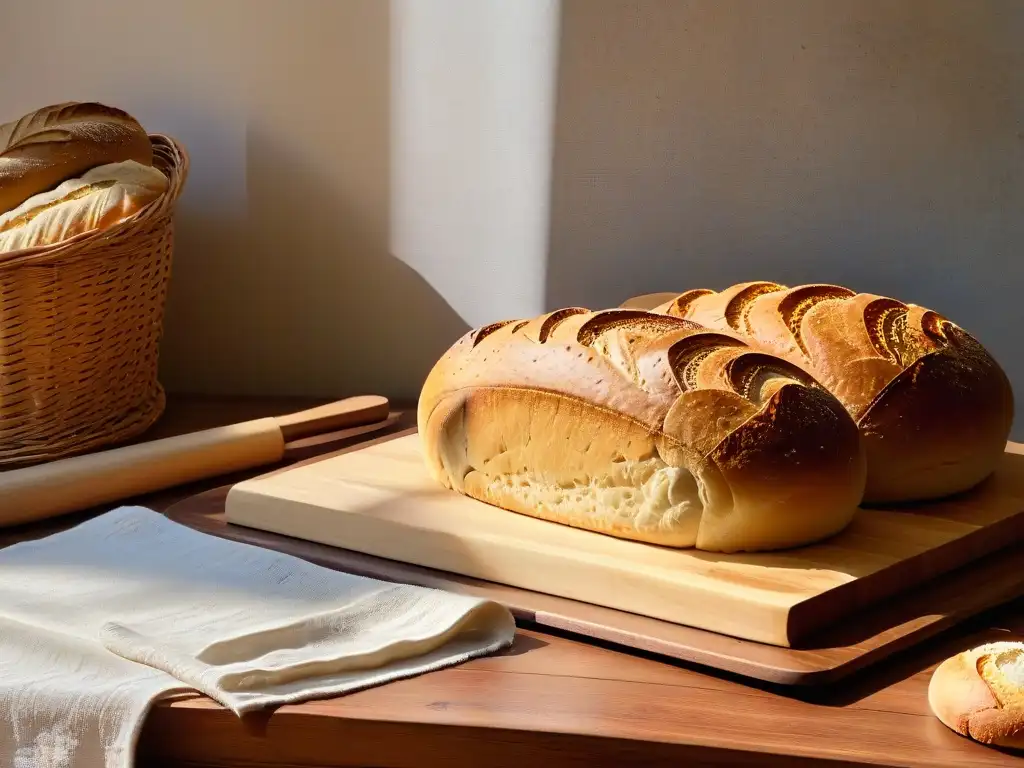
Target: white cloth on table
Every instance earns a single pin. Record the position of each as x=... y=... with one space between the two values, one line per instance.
x=99 y=621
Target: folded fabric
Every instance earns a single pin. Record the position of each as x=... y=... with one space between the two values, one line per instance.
x=99 y=621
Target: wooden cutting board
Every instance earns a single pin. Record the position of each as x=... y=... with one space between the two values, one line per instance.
x=829 y=657
x=379 y=500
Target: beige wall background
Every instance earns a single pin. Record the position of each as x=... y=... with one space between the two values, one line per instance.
x=283 y=279
x=371 y=178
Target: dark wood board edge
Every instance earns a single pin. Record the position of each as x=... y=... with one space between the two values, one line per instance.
x=813 y=617
x=217 y=739
x=893 y=625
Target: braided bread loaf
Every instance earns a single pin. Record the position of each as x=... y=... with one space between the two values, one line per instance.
x=934 y=408
x=644 y=427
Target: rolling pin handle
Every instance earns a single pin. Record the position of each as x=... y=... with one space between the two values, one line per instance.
x=343 y=414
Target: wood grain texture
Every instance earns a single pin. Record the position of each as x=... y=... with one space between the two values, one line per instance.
x=827 y=657
x=380 y=500
x=554 y=702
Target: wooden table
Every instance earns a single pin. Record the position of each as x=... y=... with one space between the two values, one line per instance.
x=553 y=701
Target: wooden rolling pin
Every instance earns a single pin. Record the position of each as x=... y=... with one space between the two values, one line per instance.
x=81 y=482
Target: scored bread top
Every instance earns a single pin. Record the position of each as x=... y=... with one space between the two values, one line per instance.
x=45 y=147
x=826 y=330
x=607 y=358
x=934 y=405
x=704 y=400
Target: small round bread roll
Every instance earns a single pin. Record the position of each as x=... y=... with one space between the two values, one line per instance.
x=979 y=693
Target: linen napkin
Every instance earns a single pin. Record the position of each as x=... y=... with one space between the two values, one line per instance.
x=99 y=621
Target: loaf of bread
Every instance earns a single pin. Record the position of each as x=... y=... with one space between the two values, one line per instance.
x=63 y=141
x=102 y=197
x=979 y=693
x=644 y=427
x=934 y=407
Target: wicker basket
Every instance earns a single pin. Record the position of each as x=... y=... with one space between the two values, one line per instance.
x=80 y=330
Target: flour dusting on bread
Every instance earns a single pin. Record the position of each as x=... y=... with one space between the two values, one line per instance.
x=1011 y=664
x=979 y=693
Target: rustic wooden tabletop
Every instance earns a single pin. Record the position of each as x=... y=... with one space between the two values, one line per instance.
x=554 y=701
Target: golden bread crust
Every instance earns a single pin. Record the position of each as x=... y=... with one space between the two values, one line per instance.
x=934 y=408
x=642 y=426
x=971 y=694
x=46 y=147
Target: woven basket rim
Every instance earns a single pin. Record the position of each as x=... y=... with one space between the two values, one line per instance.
x=176 y=169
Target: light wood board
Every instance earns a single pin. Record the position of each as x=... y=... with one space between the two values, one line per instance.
x=894 y=625
x=379 y=500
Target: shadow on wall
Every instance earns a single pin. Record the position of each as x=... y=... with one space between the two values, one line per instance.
x=319 y=305
x=293 y=290
x=880 y=147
